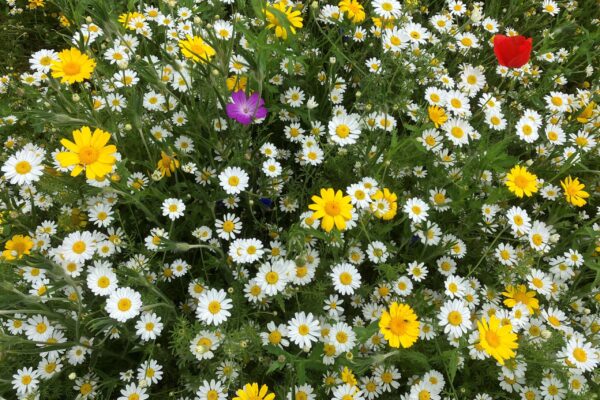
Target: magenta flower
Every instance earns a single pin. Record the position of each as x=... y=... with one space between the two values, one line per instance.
x=244 y=109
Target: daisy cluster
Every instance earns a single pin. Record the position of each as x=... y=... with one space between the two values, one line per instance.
x=348 y=200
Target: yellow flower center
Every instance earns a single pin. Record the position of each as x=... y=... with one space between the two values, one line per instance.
x=492 y=339
x=275 y=337
x=457 y=132
x=233 y=181
x=103 y=282
x=41 y=328
x=23 y=167
x=272 y=277
x=579 y=354
x=303 y=329
x=345 y=278
x=79 y=247
x=332 y=208
x=124 y=304
x=398 y=326
x=341 y=337
x=71 y=68
x=342 y=131
x=455 y=318
x=86 y=388
x=212 y=395
x=214 y=307
x=88 y=155
x=537 y=239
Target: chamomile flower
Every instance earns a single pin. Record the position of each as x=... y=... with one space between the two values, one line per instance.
x=233 y=180
x=24 y=167
x=149 y=326
x=416 y=209
x=101 y=279
x=213 y=307
x=303 y=329
x=123 y=304
x=345 y=277
x=344 y=129
x=455 y=317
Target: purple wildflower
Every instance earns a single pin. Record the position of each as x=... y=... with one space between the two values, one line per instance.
x=243 y=109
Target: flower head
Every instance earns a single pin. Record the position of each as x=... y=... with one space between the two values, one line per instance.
x=574 y=191
x=497 y=341
x=512 y=51
x=331 y=208
x=521 y=182
x=399 y=325
x=250 y=391
x=195 y=48
x=293 y=19
x=244 y=109
x=437 y=115
x=354 y=10
x=89 y=152
x=17 y=247
x=72 y=66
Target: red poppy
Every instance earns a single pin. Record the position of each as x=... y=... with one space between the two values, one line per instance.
x=512 y=51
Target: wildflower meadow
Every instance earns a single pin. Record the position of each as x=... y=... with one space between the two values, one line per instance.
x=299 y=200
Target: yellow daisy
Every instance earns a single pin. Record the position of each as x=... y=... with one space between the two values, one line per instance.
x=497 y=341
x=355 y=11
x=89 y=152
x=72 y=66
x=196 y=48
x=332 y=208
x=167 y=164
x=250 y=391
x=574 y=191
x=521 y=182
x=293 y=17
x=437 y=115
x=17 y=247
x=520 y=294
x=399 y=326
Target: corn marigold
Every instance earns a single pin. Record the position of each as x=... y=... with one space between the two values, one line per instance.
x=574 y=192
x=89 y=153
x=72 y=66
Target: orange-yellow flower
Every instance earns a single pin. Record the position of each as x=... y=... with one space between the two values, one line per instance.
x=574 y=191
x=497 y=341
x=89 y=153
x=332 y=208
x=72 y=66
x=17 y=247
x=520 y=294
x=399 y=326
x=521 y=182
x=250 y=391
x=196 y=48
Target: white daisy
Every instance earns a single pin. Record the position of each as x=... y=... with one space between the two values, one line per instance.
x=149 y=326
x=344 y=129
x=455 y=317
x=303 y=329
x=203 y=345
x=173 y=208
x=345 y=277
x=213 y=307
x=273 y=277
x=416 y=209
x=101 y=279
x=124 y=304
x=24 y=167
x=233 y=180
x=78 y=247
